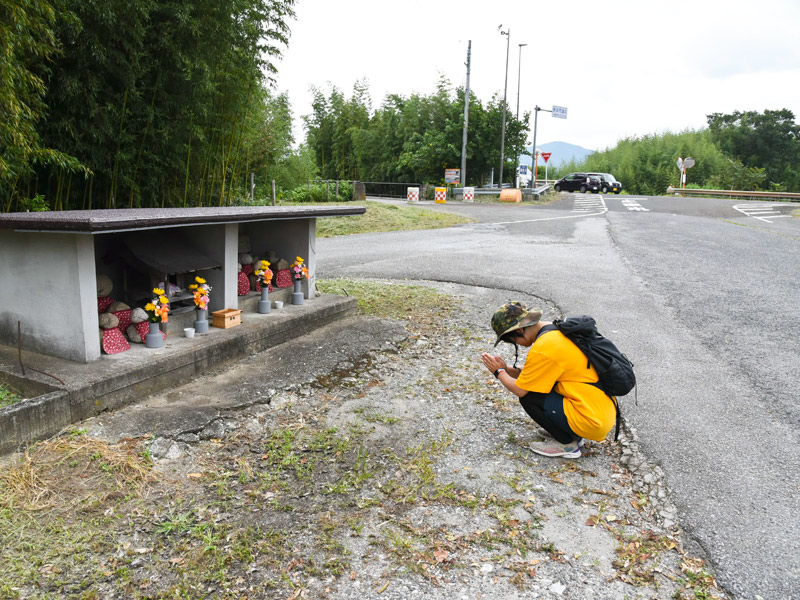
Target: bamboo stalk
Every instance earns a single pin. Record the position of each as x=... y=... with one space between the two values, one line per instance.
x=112 y=191
x=69 y=187
x=11 y=195
x=146 y=131
x=57 y=203
x=186 y=181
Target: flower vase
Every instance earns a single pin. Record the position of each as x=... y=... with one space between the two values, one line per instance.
x=297 y=295
x=264 y=305
x=201 y=324
x=154 y=339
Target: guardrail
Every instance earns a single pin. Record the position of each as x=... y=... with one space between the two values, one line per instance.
x=735 y=194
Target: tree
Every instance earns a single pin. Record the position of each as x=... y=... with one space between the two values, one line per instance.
x=27 y=43
x=163 y=100
x=411 y=139
x=768 y=140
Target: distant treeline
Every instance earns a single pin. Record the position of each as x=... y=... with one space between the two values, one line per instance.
x=739 y=151
x=412 y=139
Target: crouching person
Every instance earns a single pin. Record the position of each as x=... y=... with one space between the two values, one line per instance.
x=554 y=385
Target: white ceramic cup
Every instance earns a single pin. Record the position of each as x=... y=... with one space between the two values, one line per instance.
x=278 y=304
x=188 y=331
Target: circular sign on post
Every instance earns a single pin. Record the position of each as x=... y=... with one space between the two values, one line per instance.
x=689 y=162
x=679 y=162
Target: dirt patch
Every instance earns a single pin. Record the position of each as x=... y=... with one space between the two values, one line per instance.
x=400 y=473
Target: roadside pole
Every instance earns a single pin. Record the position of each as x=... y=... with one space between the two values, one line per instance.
x=466 y=120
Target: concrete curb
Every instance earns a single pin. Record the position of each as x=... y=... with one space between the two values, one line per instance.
x=115 y=381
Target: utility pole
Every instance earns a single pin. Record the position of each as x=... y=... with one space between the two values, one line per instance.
x=466 y=122
x=506 y=33
x=535 y=155
x=519 y=80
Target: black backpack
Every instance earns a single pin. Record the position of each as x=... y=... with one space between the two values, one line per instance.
x=613 y=368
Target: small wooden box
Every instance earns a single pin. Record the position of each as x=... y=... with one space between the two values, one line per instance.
x=226 y=318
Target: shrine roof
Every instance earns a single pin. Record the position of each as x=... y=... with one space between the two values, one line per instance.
x=128 y=219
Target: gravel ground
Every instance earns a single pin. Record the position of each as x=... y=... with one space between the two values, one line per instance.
x=389 y=464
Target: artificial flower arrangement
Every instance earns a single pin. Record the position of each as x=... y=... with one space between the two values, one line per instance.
x=299 y=269
x=158 y=307
x=264 y=273
x=201 y=290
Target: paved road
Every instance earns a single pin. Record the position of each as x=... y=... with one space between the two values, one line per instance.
x=702 y=295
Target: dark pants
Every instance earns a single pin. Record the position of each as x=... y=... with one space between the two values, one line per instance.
x=548 y=411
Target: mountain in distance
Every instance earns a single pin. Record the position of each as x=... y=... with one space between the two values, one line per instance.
x=561 y=153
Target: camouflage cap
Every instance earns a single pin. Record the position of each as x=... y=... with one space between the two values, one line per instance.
x=511 y=316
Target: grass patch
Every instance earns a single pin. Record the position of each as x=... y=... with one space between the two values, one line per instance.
x=388 y=217
x=419 y=305
x=8 y=397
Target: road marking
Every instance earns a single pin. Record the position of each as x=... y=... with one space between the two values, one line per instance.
x=585 y=204
x=760 y=211
x=602 y=209
x=633 y=204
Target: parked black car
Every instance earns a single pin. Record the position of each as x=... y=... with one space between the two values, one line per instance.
x=608 y=183
x=578 y=182
x=570 y=183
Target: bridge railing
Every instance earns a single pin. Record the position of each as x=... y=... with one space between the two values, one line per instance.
x=735 y=194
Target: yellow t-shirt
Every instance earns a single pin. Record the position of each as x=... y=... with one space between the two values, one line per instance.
x=554 y=360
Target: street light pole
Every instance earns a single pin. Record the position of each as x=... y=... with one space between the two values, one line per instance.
x=519 y=80
x=466 y=122
x=506 y=33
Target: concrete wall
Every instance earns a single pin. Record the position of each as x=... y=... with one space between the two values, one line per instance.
x=220 y=242
x=290 y=239
x=49 y=286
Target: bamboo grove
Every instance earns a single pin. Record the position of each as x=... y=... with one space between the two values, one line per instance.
x=143 y=103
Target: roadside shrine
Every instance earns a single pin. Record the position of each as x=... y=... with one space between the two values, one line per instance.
x=52 y=263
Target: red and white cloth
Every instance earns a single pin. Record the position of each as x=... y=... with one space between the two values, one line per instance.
x=283 y=278
x=124 y=317
x=244 y=284
x=247 y=269
x=114 y=342
x=103 y=302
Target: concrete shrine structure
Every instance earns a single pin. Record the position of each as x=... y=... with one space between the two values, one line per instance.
x=49 y=262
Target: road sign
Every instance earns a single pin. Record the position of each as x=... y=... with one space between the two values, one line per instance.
x=546 y=156
x=452 y=175
x=689 y=162
x=523 y=169
x=679 y=162
x=560 y=112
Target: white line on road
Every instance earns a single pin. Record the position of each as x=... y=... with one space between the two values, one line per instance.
x=760 y=211
x=600 y=212
x=632 y=204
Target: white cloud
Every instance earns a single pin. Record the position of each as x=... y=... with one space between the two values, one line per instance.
x=622 y=67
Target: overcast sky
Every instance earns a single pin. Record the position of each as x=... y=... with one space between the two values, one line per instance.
x=621 y=67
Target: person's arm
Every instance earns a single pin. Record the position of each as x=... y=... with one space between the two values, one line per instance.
x=497 y=365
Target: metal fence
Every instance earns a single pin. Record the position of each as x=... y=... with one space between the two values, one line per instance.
x=735 y=194
x=382 y=189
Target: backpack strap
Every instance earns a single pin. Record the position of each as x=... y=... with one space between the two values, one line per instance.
x=545 y=329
